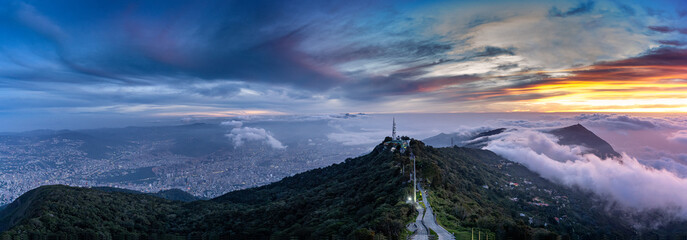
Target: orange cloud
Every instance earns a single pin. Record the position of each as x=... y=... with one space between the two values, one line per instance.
x=655 y=82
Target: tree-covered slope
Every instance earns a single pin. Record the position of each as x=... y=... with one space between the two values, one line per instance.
x=169 y=194
x=61 y=211
x=472 y=188
x=358 y=198
x=361 y=194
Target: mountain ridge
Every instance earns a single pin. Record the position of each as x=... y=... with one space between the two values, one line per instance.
x=359 y=198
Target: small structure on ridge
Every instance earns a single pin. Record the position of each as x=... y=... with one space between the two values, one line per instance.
x=396 y=142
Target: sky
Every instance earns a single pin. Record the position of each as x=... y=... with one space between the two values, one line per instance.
x=76 y=64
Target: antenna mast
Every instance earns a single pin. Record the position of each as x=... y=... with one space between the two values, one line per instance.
x=393 y=130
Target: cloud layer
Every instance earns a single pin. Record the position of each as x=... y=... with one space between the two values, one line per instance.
x=679 y=136
x=634 y=186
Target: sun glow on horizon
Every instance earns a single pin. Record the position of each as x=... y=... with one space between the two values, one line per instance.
x=623 y=86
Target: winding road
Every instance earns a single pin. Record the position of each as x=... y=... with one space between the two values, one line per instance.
x=428 y=221
x=422 y=233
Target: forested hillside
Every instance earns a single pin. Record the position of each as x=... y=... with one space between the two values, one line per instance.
x=360 y=198
x=477 y=189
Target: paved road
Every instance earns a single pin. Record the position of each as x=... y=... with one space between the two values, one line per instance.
x=430 y=221
x=422 y=233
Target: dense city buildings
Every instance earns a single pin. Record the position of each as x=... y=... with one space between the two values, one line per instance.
x=27 y=162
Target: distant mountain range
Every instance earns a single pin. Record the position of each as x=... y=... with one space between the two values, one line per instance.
x=361 y=198
x=571 y=135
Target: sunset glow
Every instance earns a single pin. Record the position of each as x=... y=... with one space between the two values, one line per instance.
x=382 y=57
x=621 y=86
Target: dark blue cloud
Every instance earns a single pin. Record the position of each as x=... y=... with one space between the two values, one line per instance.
x=490 y=51
x=480 y=20
x=252 y=41
x=667 y=29
x=581 y=8
x=626 y=9
x=263 y=42
x=662 y=29
x=673 y=43
x=681 y=12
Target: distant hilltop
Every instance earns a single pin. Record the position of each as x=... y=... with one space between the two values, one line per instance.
x=571 y=135
x=579 y=135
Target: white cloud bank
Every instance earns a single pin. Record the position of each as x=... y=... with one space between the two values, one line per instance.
x=679 y=136
x=232 y=123
x=239 y=135
x=630 y=184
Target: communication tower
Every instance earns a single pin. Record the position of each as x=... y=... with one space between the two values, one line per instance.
x=393 y=130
